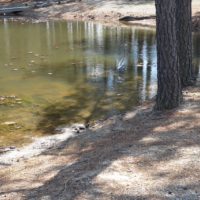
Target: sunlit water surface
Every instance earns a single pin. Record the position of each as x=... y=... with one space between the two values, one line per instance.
x=58 y=73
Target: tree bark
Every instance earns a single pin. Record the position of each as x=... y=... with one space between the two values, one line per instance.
x=184 y=36
x=169 y=94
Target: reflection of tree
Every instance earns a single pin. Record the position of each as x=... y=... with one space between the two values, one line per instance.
x=140 y=36
x=7 y=37
x=196 y=53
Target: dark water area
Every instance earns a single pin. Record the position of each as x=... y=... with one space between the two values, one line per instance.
x=59 y=73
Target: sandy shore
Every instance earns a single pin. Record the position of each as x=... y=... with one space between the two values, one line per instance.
x=109 y=12
x=39 y=145
x=140 y=155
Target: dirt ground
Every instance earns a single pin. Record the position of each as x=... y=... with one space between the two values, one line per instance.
x=140 y=155
x=109 y=12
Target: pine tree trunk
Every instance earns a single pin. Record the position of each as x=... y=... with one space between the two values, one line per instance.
x=169 y=93
x=184 y=36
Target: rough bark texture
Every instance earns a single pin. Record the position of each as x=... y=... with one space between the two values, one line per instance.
x=184 y=36
x=169 y=93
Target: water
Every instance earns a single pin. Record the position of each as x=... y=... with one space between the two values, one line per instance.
x=58 y=73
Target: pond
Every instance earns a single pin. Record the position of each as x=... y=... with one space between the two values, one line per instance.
x=59 y=73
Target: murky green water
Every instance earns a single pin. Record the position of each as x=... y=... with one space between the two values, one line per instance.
x=58 y=73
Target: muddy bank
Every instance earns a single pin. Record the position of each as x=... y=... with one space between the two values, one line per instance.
x=12 y=155
x=107 y=12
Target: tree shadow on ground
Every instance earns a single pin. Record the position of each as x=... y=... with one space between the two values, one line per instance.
x=123 y=2
x=136 y=2
x=144 y=140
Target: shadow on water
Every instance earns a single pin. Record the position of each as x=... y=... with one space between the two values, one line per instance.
x=92 y=103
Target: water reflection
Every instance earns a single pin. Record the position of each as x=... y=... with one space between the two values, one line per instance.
x=69 y=71
x=196 y=53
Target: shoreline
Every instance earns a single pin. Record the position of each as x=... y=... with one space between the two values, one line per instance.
x=13 y=155
x=36 y=147
x=150 y=155
x=111 y=14
x=146 y=23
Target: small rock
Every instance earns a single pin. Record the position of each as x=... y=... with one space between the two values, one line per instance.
x=12 y=96
x=50 y=73
x=169 y=192
x=9 y=123
x=6 y=149
x=79 y=126
x=87 y=125
x=91 y=17
x=77 y=131
x=2 y=98
x=185 y=188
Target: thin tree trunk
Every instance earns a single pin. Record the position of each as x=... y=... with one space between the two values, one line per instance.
x=169 y=94
x=184 y=36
